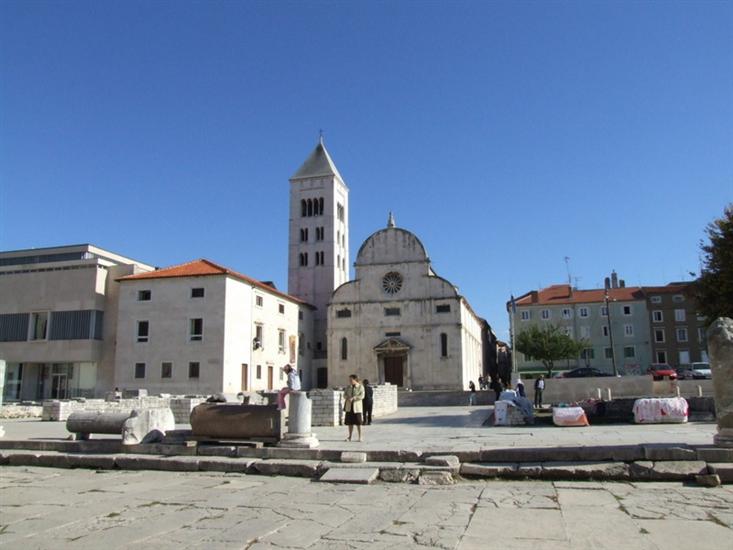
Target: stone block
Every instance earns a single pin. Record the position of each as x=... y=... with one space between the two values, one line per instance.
x=668 y=452
x=54 y=460
x=724 y=470
x=708 y=480
x=97 y=462
x=529 y=469
x=228 y=421
x=641 y=470
x=448 y=461
x=353 y=457
x=363 y=476
x=669 y=470
x=222 y=464
x=147 y=425
x=179 y=464
x=296 y=468
x=138 y=462
x=488 y=469
x=393 y=456
x=585 y=470
x=4 y=460
x=432 y=477
x=399 y=475
x=715 y=454
x=216 y=450
x=23 y=459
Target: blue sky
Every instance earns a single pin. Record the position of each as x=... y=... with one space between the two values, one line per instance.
x=507 y=136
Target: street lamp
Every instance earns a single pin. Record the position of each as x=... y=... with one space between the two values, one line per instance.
x=610 y=333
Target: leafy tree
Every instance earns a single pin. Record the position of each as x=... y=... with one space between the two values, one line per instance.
x=548 y=344
x=713 y=290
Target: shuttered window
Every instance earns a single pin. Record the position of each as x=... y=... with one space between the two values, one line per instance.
x=74 y=325
x=13 y=327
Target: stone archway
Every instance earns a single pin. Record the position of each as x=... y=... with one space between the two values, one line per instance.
x=393 y=362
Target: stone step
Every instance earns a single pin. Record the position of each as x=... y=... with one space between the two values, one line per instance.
x=364 y=476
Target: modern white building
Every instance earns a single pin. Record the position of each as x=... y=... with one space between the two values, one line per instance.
x=58 y=315
x=201 y=328
x=318 y=251
x=399 y=322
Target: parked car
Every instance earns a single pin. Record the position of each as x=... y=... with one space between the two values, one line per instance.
x=685 y=373
x=660 y=371
x=584 y=372
x=701 y=371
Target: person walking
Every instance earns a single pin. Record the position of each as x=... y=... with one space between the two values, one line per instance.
x=519 y=386
x=293 y=385
x=353 y=407
x=539 y=387
x=472 y=395
x=368 y=402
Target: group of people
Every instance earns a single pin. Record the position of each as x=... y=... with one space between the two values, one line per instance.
x=498 y=387
x=358 y=400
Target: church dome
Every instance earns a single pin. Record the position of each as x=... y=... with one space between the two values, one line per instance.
x=390 y=246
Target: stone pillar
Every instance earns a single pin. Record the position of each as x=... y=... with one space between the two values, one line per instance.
x=299 y=422
x=2 y=381
x=720 y=348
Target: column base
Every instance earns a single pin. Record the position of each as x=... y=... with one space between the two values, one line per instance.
x=299 y=441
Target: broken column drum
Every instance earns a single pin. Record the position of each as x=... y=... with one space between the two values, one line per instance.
x=720 y=348
x=299 y=422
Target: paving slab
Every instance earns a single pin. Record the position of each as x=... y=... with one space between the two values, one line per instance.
x=350 y=475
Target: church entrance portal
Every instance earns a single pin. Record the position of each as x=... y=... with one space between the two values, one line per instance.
x=394 y=370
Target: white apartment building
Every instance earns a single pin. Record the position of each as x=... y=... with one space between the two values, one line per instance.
x=399 y=322
x=58 y=314
x=201 y=328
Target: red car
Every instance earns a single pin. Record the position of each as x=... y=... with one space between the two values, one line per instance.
x=660 y=371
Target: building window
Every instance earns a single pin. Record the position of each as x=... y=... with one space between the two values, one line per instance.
x=193 y=369
x=608 y=353
x=545 y=314
x=679 y=315
x=443 y=344
x=567 y=313
x=300 y=314
x=14 y=327
x=304 y=235
x=442 y=308
x=604 y=311
x=585 y=332
x=684 y=357
x=662 y=357
x=281 y=341
x=657 y=316
x=701 y=335
x=343 y=313
x=303 y=209
x=627 y=310
x=682 y=334
x=629 y=352
x=628 y=330
x=344 y=349
x=659 y=335
x=604 y=329
x=568 y=331
x=197 y=293
x=588 y=353
x=678 y=298
x=584 y=313
x=281 y=308
x=139 y=370
x=525 y=315
x=259 y=337
x=259 y=372
x=144 y=295
x=258 y=301
x=392 y=334
x=166 y=370
x=196 y=330
x=318 y=258
x=322 y=258
x=340 y=215
x=391 y=311
x=143 y=331
x=320 y=206
x=39 y=325
x=656 y=299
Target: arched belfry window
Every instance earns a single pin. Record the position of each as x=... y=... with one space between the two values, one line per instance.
x=344 y=349
x=443 y=344
x=303 y=208
x=320 y=206
x=310 y=207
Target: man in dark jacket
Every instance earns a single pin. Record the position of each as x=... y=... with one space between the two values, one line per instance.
x=368 y=401
x=539 y=387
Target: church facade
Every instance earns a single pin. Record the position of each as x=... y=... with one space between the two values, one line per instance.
x=399 y=322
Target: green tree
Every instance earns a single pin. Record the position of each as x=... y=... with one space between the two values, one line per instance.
x=548 y=344
x=713 y=290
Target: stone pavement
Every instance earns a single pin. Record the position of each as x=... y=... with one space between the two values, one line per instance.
x=451 y=429
x=77 y=509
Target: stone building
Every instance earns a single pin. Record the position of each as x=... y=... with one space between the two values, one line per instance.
x=399 y=322
x=202 y=328
x=58 y=315
x=318 y=250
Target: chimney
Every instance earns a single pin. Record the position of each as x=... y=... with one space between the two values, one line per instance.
x=606 y=283
x=614 y=279
x=534 y=296
x=622 y=283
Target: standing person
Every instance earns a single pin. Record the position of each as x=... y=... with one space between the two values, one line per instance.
x=368 y=402
x=472 y=395
x=480 y=382
x=520 y=388
x=354 y=395
x=497 y=387
x=293 y=385
x=539 y=387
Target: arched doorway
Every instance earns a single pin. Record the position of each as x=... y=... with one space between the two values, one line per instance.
x=393 y=362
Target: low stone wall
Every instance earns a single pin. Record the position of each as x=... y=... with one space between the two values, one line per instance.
x=565 y=390
x=20 y=411
x=57 y=410
x=328 y=404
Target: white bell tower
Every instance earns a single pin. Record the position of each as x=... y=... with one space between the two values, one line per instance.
x=318 y=251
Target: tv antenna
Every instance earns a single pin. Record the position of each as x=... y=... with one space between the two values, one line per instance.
x=567 y=268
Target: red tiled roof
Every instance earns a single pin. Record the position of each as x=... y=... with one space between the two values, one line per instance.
x=206 y=268
x=563 y=294
x=672 y=288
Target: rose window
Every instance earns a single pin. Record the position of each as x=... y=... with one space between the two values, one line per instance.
x=392 y=282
